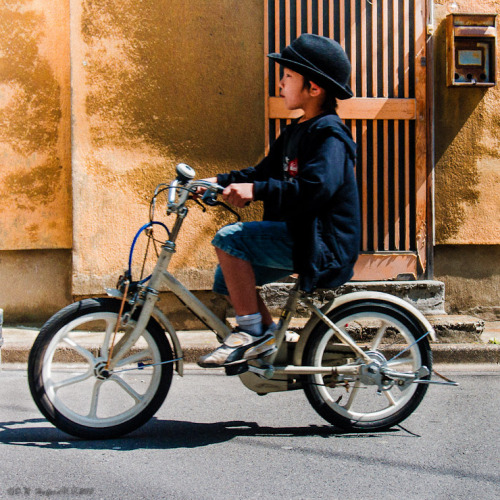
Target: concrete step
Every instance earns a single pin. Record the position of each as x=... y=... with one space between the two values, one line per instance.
x=457 y=328
x=426 y=295
x=448 y=328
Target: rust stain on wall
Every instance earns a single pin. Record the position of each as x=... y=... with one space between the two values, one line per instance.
x=30 y=120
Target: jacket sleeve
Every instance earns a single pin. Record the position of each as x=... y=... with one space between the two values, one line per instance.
x=321 y=174
x=261 y=172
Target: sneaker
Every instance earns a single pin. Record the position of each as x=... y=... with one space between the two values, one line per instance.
x=239 y=347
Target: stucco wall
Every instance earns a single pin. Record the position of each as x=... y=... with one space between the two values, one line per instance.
x=472 y=279
x=99 y=100
x=155 y=83
x=467 y=143
x=35 y=186
x=467 y=187
x=34 y=284
x=35 y=162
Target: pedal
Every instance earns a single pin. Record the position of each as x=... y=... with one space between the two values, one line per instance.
x=237 y=369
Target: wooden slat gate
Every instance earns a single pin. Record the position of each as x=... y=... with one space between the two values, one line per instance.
x=385 y=41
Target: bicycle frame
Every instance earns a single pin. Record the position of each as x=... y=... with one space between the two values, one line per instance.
x=267 y=370
x=161 y=276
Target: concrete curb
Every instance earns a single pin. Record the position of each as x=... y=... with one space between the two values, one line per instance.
x=463 y=339
x=442 y=353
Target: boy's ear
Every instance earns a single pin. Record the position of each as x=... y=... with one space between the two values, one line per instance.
x=315 y=90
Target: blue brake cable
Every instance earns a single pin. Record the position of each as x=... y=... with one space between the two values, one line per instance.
x=136 y=237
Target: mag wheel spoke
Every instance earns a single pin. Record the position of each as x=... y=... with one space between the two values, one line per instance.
x=109 y=333
x=389 y=398
x=127 y=388
x=400 y=362
x=70 y=381
x=352 y=395
x=80 y=350
x=378 y=337
x=92 y=414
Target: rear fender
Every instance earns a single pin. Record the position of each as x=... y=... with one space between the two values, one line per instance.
x=359 y=297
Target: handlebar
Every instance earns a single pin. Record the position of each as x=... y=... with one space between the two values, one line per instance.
x=172 y=192
x=178 y=193
x=183 y=186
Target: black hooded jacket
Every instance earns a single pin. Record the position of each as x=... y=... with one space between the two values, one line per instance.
x=307 y=180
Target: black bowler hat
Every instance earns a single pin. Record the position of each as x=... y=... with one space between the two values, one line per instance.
x=320 y=59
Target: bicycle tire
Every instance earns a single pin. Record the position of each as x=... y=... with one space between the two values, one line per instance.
x=362 y=409
x=62 y=346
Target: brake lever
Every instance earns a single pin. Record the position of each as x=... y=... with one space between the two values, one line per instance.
x=228 y=208
x=210 y=198
x=197 y=201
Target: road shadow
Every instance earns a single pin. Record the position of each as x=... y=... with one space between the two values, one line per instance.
x=171 y=434
x=177 y=434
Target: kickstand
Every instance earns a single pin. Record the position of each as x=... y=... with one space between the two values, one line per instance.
x=451 y=382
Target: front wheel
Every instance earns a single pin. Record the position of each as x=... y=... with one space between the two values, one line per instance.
x=69 y=381
x=389 y=335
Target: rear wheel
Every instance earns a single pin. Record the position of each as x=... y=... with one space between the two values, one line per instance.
x=389 y=336
x=70 y=383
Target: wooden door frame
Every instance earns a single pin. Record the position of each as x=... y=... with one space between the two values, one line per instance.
x=430 y=163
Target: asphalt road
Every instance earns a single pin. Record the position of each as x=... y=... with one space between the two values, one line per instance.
x=215 y=439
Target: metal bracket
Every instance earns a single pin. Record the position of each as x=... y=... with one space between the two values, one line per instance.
x=265 y=371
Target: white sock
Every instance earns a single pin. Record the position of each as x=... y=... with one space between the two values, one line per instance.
x=272 y=327
x=251 y=323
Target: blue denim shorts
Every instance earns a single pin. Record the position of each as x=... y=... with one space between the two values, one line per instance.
x=266 y=245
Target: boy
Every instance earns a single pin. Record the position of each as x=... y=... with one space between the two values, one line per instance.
x=311 y=210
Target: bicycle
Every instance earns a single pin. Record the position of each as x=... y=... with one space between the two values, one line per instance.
x=363 y=359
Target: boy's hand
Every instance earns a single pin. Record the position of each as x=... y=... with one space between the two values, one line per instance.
x=238 y=195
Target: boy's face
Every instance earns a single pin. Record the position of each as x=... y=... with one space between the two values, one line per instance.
x=292 y=89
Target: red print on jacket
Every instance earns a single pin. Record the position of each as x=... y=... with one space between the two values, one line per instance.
x=293 y=167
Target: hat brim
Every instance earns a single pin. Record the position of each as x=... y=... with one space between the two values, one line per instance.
x=340 y=91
